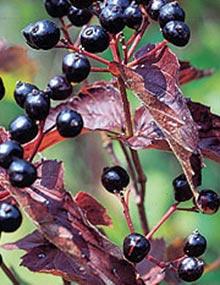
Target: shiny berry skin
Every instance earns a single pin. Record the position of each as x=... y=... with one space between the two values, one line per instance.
x=79 y=17
x=195 y=245
x=112 y=19
x=208 y=202
x=37 y=105
x=10 y=218
x=136 y=247
x=171 y=12
x=115 y=178
x=23 y=129
x=81 y=3
x=133 y=16
x=121 y=3
x=2 y=89
x=94 y=39
x=8 y=151
x=190 y=269
x=57 y=8
x=69 y=123
x=59 y=88
x=43 y=34
x=76 y=67
x=22 y=89
x=154 y=7
x=182 y=191
x=22 y=173
x=177 y=33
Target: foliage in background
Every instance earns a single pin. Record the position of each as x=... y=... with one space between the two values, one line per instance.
x=79 y=155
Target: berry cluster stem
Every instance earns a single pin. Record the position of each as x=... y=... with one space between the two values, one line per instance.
x=9 y=273
x=127 y=213
x=137 y=38
x=165 y=217
x=39 y=141
x=141 y=178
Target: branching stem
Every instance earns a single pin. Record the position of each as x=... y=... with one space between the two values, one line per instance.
x=9 y=273
x=165 y=217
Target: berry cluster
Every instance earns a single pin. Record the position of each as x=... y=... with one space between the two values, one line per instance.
x=24 y=128
x=208 y=201
x=112 y=18
x=191 y=268
x=171 y=18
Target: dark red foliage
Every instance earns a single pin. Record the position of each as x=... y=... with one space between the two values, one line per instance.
x=95 y=212
x=155 y=83
x=188 y=72
x=73 y=248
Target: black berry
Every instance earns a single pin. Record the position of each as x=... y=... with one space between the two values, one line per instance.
x=176 y=32
x=21 y=91
x=43 y=34
x=1 y=260
x=79 y=17
x=59 y=88
x=2 y=89
x=8 y=151
x=76 y=67
x=122 y=3
x=23 y=129
x=190 y=269
x=94 y=39
x=10 y=218
x=136 y=247
x=154 y=7
x=133 y=16
x=22 y=173
x=57 y=8
x=182 y=191
x=69 y=123
x=82 y=3
x=37 y=105
x=208 y=201
x=195 y=245
x=112 y=19
x=115 y=178
x=171 y=12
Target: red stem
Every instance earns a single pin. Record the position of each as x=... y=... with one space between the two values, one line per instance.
x=64 y=29
x=39 y=141
x=114 y=49
x=152 y=259
x=8 y=272
x=145 y=56
x=4 y=194
x=138 y=38
x=99 y=69
x=126 y=212
x=86 y=53
x=165 y=217
x=126 y=106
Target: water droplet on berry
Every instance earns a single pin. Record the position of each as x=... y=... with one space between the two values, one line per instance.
x=41 y=255
x=82 y=269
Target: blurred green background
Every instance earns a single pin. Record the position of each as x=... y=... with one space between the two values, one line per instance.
x=83 y=171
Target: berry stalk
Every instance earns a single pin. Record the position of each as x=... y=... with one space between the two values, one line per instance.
x=126 y=211
x=39 y=141
x=165 y=217
x=9 y=273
